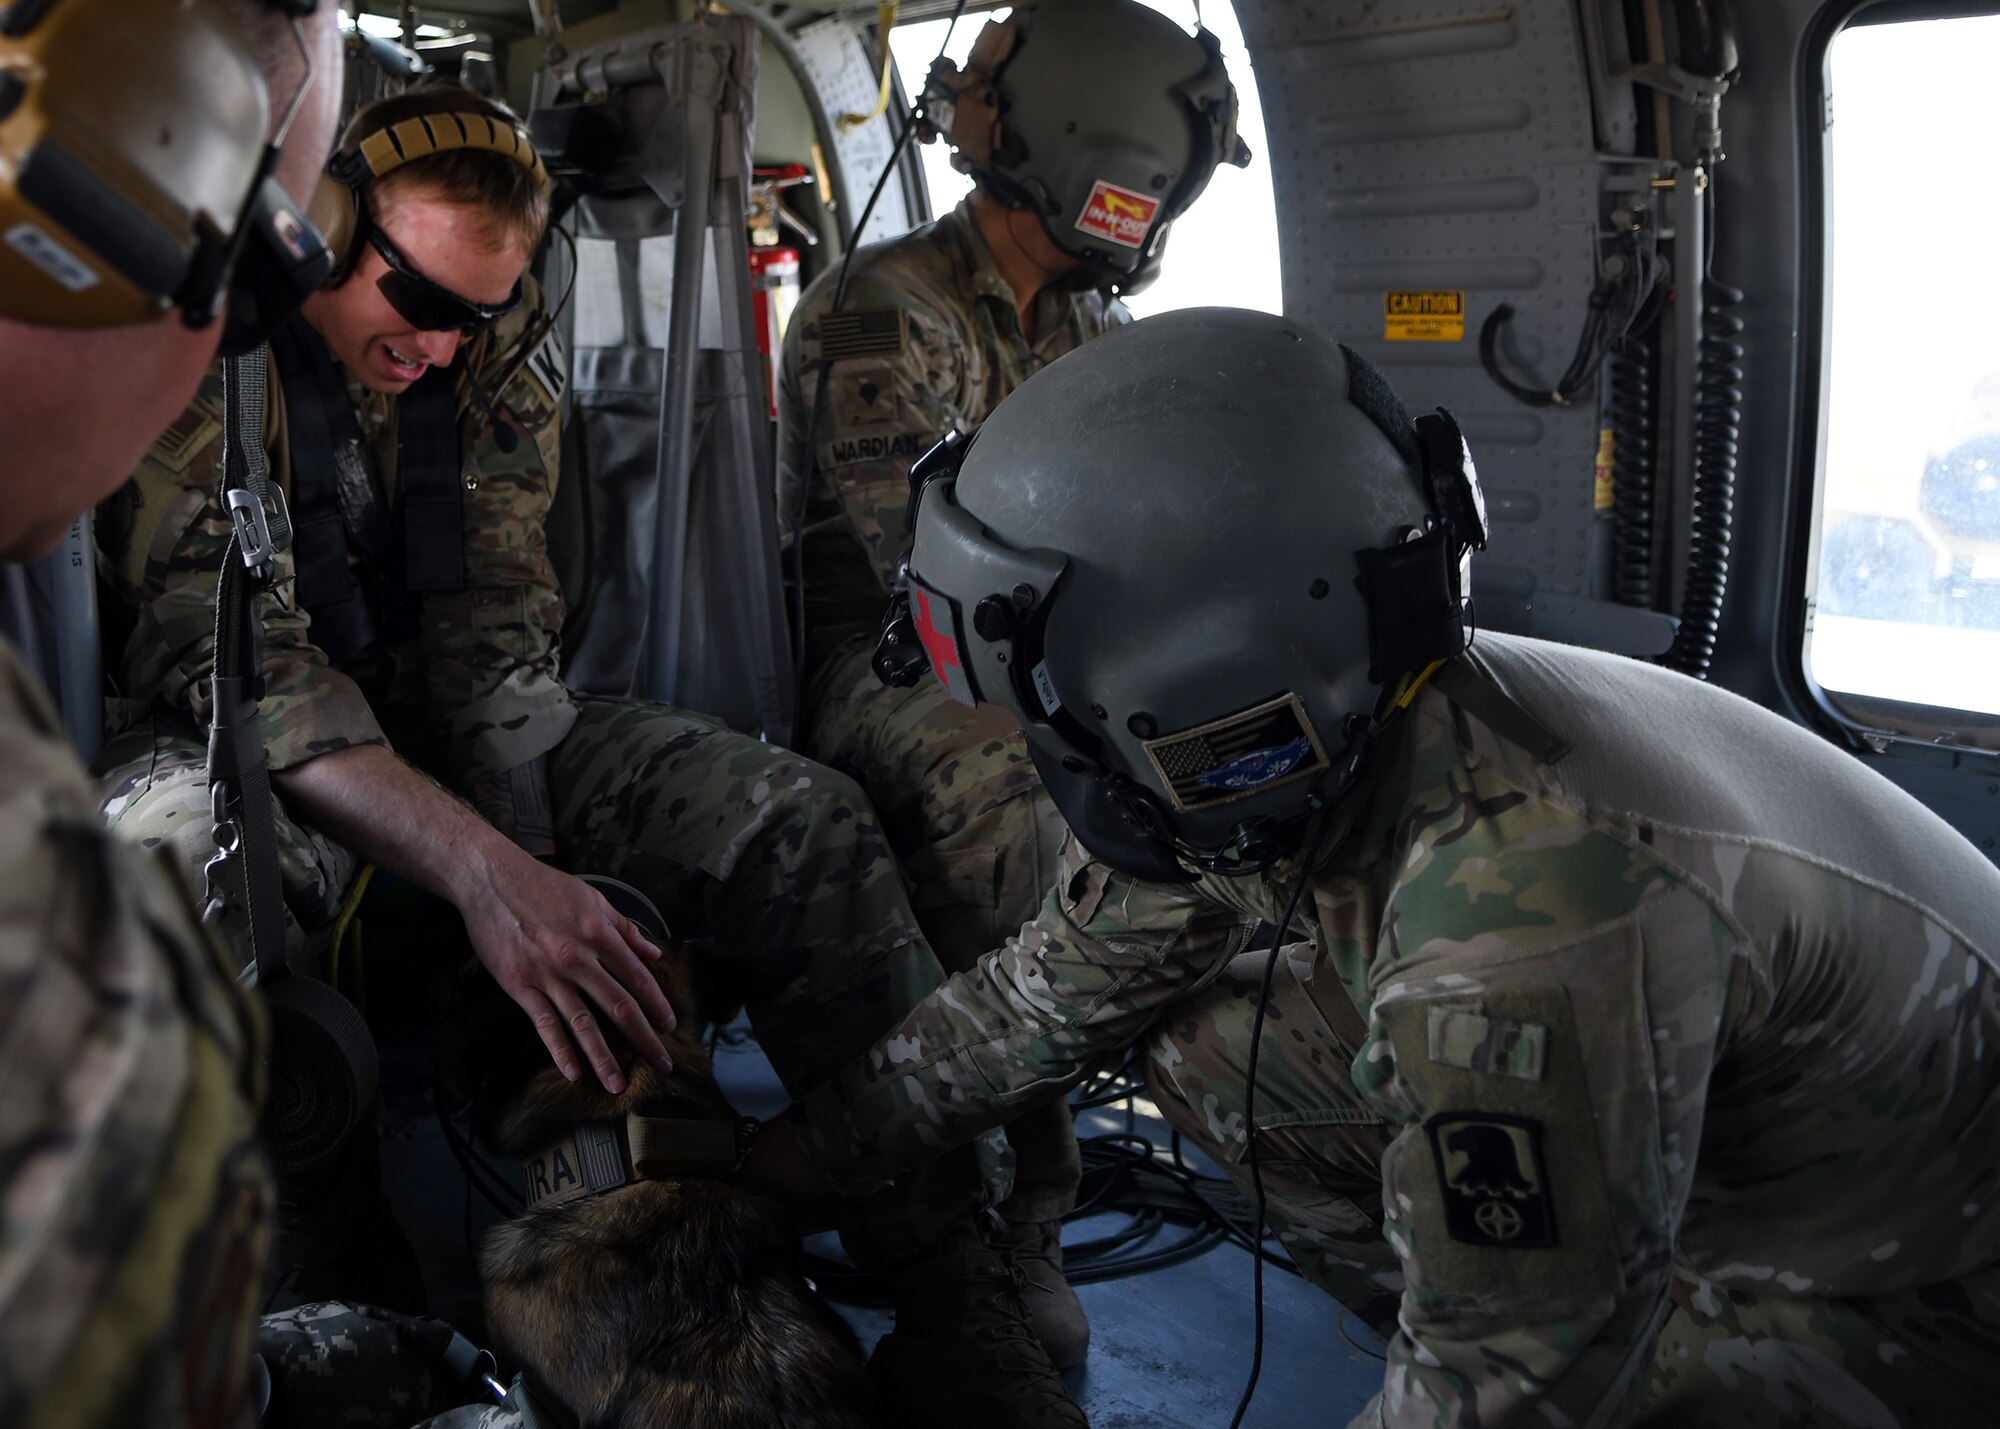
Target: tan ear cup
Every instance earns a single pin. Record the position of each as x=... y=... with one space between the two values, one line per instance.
x=973 y=128
x=335 y=212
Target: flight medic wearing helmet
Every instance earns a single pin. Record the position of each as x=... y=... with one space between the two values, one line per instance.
x=1088 y=127
x=1643 y=1066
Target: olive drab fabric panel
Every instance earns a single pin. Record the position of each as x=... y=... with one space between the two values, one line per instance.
x=664 y=531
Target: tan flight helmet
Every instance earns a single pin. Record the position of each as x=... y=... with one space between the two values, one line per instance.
x=1196 y=558
x=135 y=176
x=1103 y=117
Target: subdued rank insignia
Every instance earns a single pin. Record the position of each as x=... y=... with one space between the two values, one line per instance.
x=878 y=333
x=1243 y=754
x=1495 y=1184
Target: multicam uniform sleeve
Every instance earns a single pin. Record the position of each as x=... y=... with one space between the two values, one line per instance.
x=1104 y=959
x=1543 y=1030
x=161 y=543
x=896 y=385
x=491 y=649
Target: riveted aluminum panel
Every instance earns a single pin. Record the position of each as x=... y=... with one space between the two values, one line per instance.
x=1448 y=145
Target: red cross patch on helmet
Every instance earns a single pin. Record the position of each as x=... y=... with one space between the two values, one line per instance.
x=937 y=628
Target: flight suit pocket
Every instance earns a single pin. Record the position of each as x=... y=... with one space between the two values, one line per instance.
x=968 y=878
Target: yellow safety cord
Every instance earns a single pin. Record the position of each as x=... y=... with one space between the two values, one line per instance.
x=1407 y=691
x=885 y=21
x=348 y=922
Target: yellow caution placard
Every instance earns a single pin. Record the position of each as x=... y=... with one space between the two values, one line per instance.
x=1606 y=495
x=1424 y=315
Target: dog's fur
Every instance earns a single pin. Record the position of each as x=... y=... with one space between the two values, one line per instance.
x=663 y=1303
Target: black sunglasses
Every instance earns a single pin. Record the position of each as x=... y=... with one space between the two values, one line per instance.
x=425 y=305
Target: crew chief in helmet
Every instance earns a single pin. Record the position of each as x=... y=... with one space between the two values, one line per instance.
x=1657 y=1040
x=1088 y=126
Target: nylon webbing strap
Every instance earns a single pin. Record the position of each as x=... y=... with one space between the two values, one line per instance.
x=245 y=891
x=428 y=486
x=321 y=430
x=662 y=1147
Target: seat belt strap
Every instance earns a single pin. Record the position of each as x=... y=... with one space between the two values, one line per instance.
x=327 y=458
x=245 y=893
x=428 y=485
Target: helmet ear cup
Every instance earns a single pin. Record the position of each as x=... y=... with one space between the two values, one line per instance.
x=336 y=212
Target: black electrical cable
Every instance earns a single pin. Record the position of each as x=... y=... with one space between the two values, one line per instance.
x=1306 y=866
x=803 y=501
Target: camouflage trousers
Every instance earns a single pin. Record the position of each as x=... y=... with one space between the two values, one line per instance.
x=978 y=840
x=338 y=1366
x=1725 y=1357
x=776 y=859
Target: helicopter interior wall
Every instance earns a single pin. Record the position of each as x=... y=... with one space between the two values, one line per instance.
x=1438 y=155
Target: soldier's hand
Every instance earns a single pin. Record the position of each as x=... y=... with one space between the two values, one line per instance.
x=569 y=958
x=777 y=1164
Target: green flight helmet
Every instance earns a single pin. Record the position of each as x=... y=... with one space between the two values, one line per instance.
x=1197 y=559
x=1103 y=117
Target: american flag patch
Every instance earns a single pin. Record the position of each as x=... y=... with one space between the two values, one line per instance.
x=878 y=333
x=1245 y=753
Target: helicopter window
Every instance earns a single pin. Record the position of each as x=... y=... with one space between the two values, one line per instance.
x=1906 y=569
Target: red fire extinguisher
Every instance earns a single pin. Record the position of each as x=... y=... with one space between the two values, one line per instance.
x=774 y=284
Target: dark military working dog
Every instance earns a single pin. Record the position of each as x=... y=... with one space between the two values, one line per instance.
x=663 y=1302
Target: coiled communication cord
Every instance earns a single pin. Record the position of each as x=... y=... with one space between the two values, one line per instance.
x=1718 y=421
x=1630 y=418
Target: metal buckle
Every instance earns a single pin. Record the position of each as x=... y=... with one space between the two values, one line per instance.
x=253 y=531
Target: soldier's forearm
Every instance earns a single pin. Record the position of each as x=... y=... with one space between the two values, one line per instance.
x=395 y=817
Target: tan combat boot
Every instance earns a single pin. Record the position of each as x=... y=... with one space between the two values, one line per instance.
x=1053 y=1308
x=963 y=1353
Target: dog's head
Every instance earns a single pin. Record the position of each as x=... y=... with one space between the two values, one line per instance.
x=494 y=1060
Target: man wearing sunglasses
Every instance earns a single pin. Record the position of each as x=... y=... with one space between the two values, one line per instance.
x=434 y=616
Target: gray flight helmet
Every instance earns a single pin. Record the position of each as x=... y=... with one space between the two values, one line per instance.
x=1196 y=558
x=1103 y=117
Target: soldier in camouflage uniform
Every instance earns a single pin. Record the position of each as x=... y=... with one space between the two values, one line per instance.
x=779 y=859
x=134 y=1205
x=1658 y=1040
x=933 y=330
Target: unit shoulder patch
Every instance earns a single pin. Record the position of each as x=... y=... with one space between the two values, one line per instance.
x=1495 y=1183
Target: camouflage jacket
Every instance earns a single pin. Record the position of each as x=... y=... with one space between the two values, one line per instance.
x=1704 y=988
x=927 y=342
x=482 y=676
x=134 y=1207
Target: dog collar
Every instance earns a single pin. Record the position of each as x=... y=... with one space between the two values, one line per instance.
x=601 y=1156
